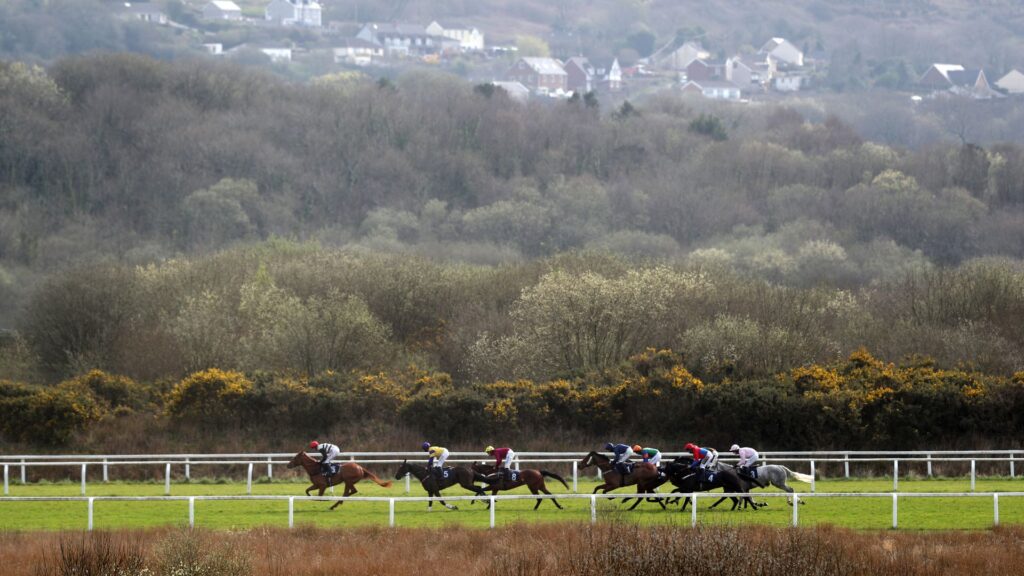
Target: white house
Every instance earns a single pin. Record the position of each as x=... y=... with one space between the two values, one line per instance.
x=678 y=58
x=468 y=38
x=145 y=12
x=294 y=12
x=222 y=10
x=1012 y=82
x=515 y=90
x=713 y=89
x=404 y=39
x=215 y=48
x=789 y=82
x=357 y=51
x=784 y=51
x=278 y=54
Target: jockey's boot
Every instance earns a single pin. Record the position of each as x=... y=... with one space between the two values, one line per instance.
x=506 y=474
x=437 y=471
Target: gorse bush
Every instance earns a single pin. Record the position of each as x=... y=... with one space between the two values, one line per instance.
x=208 y=396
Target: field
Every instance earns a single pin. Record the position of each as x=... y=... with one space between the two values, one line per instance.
x=941 y=513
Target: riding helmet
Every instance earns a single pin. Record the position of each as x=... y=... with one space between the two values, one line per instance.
x=313 y=445
x=734 y=448
x=489 y=449
x=426 y=446
x=636 y=448
x=609 y=446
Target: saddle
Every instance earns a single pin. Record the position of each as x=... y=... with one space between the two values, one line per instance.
x=624 y=468
x=330 y=469
x=443 y=473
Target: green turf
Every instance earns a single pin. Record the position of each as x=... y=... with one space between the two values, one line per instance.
x=860 y=513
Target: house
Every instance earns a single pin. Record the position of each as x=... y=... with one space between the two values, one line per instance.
x=222 y=10
x=783 y=51
x=611 y=77
x=1012 y=82
x=406 y=39
x=673 y=57
x=746 y=71
x=964 y=81
x=515 y=90
x=294 y=12
x=469 y=39
x=582 y=76
x=215 y=48
x=579 y=74
x=357 y=51
x=541 y=75
x=713 y=89
x=705 y=70
x=144 y=11
x=789 y=82
x=277 y=54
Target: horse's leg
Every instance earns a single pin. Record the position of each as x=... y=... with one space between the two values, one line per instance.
x=539 y=500
x=311 y=487
x=720 y=500
x=544 y=489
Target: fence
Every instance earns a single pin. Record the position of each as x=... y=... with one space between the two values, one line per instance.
x=250 y=461
x=493 y=500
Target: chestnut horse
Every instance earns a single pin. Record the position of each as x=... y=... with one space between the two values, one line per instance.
x=349 y=473
x=533 y=479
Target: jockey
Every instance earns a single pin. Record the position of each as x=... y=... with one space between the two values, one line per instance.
x=620 y=456
x=748 y=459
x=704 y=459
x=437 y=456
x=650 y=455
x=503 y=458
x=328 y=452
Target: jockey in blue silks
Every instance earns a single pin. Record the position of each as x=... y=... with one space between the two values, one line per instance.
x=620 y=456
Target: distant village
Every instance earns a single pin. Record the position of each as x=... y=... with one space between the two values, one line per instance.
x=776 y=69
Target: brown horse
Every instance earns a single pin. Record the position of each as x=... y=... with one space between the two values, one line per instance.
x=533 y=479
x=642 y=474
x=349 y=473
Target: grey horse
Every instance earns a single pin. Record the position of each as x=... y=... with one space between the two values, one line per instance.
x=775 y=475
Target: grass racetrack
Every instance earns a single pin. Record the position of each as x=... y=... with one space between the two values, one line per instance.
x=942 y=513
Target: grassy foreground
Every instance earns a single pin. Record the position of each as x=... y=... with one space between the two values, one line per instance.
x=945 y=513
x=567 y=549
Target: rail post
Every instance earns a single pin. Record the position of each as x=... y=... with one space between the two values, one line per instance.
x=23 y=471
x=391 y=512
x=693 y=510
x=895 y=510
x=575 y=477
x=291 y=511
x=972 y=475
x=83 y=478
x=846 y=466
x=270 y=468
x=995 y=509
x=248 y=481
x=106 y=476
x=191 y=511
x=895 y=475
x=812 y=475
x=1012 y=475
x=188 y=470
x=796 y=509
x=407 y=483
x=492 y=512
x=593 y=509
x=7 y=488
x=89 y=527
x=167 y=479
x=929 y=465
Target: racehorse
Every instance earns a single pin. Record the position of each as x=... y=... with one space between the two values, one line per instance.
x=643 y=473
x=690 y=481
x=433 y=485
x=776 y=475
x=533 y=479
x=349 y=473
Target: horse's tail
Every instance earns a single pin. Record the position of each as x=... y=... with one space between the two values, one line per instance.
x=555 y=476
x=798 y=476
x=378 y=481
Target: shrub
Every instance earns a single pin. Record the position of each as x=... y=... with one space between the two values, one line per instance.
x=115 y=391
x=208 y=396
x=47 y=416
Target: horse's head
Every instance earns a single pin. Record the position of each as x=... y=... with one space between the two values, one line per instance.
x=593 y=459
x=402 y=470
x=297 y=460
x=481 y=467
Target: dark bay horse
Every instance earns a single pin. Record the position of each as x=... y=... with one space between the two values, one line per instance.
x=686 y=480
x=348 y=473
x=433 y=485
x=532 y=479
x=643 y=473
